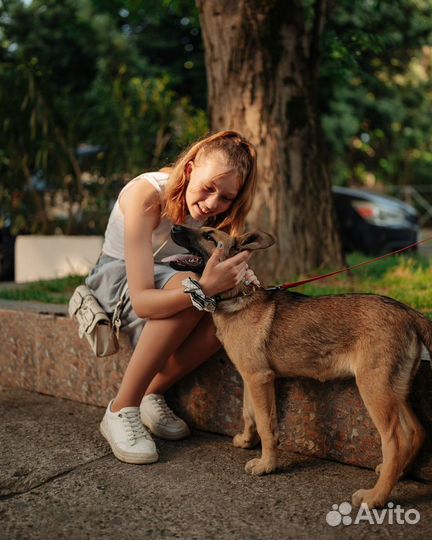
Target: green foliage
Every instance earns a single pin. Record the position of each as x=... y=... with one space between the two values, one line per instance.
x=88 y=72
x=376 y=91
x=128 y=77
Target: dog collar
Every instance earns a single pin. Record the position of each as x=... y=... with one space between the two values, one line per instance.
x=243 y=294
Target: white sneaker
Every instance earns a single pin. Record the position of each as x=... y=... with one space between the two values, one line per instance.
x=128 y=438
x=160 y=419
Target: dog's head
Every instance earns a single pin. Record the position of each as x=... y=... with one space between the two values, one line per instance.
x=202 y=242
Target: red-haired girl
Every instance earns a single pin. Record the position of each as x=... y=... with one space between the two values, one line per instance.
x=213 y=182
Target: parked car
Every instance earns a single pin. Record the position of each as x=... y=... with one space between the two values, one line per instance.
x=374 y=224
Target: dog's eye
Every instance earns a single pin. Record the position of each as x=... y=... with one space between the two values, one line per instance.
x=208 y=236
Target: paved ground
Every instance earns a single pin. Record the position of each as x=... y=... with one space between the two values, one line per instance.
x=59 y=480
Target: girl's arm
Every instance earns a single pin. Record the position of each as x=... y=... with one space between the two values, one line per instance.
x=141 y=208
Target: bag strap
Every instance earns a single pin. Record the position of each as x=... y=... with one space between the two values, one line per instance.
x=160 y=248
x=116 y=318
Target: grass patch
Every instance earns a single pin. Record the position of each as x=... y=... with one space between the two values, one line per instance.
x=405 y=278
x=53 y=291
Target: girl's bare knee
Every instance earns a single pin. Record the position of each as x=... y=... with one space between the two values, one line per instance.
x=176 y=280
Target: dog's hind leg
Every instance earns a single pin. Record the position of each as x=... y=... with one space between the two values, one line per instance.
x=414 y=432
x=262 y=394
x=411 y=427
x=384 y=409
x=414 y=436
x=249 y=438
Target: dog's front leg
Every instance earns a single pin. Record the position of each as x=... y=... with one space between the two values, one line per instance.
x=249 y=438
x=262 y=394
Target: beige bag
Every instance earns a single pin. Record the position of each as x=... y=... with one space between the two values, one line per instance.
x=101 y=333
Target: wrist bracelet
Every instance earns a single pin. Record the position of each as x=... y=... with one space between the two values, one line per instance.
x=199 y=300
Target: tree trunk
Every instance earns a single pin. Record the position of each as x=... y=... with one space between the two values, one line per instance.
x=261 y=65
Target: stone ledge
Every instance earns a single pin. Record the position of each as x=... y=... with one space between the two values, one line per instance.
x=34 y=307
x=42 y=352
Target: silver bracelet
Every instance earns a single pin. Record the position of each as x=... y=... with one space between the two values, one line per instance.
x=199 y=300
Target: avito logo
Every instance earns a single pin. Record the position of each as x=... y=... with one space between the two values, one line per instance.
x=391 y=514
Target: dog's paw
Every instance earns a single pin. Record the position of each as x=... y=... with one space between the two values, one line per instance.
x=368 y=497
x=240 y=441
x=258 y=467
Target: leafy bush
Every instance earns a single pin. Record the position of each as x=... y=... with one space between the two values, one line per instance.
x=73 y=73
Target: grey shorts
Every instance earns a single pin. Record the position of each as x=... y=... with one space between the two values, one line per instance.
x=106 y=281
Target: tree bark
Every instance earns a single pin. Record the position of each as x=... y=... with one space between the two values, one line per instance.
x=261 y=62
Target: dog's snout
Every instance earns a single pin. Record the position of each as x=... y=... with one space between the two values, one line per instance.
x=178 y=232
x=181 y=235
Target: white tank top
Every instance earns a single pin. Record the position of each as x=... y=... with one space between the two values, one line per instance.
x=114 y=234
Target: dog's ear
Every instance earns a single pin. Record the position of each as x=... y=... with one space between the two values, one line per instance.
x=254 y=240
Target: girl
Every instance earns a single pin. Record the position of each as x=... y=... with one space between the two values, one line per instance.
x=213 y=183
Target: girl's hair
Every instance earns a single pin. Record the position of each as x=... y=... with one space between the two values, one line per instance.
x=240 y=154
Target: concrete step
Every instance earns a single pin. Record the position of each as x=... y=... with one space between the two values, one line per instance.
x=41 y=351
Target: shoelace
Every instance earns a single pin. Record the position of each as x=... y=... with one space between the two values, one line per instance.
x=164 y=411
x=133 y=426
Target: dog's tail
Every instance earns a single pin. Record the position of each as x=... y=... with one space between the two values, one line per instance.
x=424 y=330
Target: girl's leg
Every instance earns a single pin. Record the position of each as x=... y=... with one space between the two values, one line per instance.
x=195 y=349
x=158 y=341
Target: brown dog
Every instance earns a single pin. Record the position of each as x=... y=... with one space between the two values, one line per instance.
x=275 y=333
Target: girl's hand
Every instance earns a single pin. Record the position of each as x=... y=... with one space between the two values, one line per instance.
x=222 y=275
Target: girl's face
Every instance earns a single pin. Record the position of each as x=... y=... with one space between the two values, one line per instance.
x=213 y=186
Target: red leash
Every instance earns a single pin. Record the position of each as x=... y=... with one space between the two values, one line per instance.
x=316 y=278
